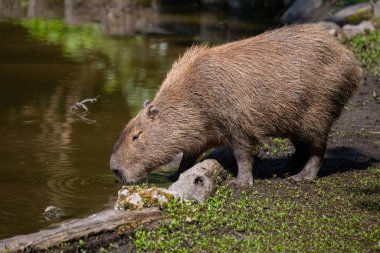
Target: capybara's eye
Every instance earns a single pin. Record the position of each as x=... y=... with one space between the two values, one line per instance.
x=136 y=136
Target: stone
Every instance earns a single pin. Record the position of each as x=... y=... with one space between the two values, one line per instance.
x=376 y=9
x=353 y=14
x=332 y=28
x=53 y=212
x=363 y=27
x=307 y=11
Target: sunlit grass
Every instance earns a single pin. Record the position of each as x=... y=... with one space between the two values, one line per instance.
x=367 y=49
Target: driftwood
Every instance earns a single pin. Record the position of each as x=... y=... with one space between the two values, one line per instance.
x=198 y=182
x=80 y=110
x=74 y=229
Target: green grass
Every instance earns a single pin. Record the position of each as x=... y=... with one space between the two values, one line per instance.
x=337 y=213
x=367 y=49
x=275 y=146
x=344 y=3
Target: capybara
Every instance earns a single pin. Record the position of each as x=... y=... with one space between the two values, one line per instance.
x=290 y=82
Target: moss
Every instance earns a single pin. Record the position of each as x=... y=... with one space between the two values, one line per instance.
x=361 y=15
x=343 y=3
x=148 y=196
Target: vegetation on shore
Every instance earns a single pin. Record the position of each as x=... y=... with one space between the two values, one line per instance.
x=367 y=50
x=340 y=212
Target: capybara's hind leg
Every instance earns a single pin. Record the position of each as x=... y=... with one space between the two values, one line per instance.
x=314 y=154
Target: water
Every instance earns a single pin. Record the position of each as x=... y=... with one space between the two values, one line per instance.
x=51 y=156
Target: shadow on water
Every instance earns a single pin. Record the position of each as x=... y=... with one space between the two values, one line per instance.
x=56 y=53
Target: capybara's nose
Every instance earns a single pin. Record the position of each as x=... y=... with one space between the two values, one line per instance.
x=114 y=163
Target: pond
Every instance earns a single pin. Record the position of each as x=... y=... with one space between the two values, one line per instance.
x=50 y=155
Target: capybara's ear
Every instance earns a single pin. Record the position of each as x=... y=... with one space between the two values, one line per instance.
x=146 y=103
x=152 y=112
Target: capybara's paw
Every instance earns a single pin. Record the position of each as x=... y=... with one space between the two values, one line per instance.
x=301 y=177
x=240 y=182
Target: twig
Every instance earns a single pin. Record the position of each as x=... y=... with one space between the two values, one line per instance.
x=80 y=110
x=82 y=105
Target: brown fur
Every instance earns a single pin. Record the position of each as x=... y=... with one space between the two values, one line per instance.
x=291 y=82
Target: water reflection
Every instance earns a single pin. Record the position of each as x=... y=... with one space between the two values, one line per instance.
x=50 y=157
x=47 y=156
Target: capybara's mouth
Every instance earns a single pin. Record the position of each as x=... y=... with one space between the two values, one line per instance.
x=124 y=181
x=127 y=181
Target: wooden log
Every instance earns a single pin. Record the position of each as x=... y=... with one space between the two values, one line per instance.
x=74 y=229
x=198 y=182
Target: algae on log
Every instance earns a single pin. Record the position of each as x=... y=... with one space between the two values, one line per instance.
x=74 y=229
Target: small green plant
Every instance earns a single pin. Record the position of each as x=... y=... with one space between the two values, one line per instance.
x=343 y=3
x=367 y=49
x=275 y=146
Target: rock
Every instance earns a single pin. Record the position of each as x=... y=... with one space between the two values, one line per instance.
x=307 y=10
x=363 y=27
x=353 y=14
x=53 y=212
x=198 y=182
x=332 y=28
x=376 y=9
x=135 y=197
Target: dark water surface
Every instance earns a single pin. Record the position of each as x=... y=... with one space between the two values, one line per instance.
x=49 y=155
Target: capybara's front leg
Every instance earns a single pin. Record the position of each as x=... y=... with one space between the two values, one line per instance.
x=188 y=161
x=245 y=162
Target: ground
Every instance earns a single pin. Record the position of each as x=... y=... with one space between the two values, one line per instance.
x=337 y=212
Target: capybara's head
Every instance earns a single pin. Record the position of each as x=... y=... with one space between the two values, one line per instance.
x=142 y=146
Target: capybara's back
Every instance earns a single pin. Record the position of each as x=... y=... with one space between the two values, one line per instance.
x=291 y=82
